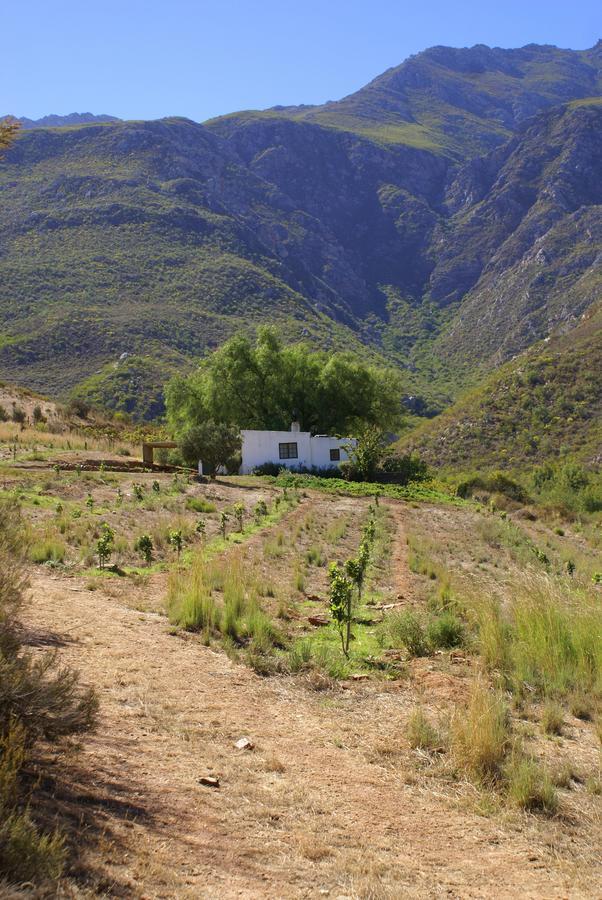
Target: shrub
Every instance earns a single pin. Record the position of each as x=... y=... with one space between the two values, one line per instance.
x=26 y=854
x=528 y=786
x=38 y=700
x=552 y=718
x=18 y=415
x=47 y=550
x=406 y=630
x=406 y=469
x=445 y=631
x=144 y=546
x=78 y=407
x=200 y=505
x=239 y=514
x=38 y=415
x=214 y=443
x=272 y=469
x=176 y=540
x=260 y=511
x=300 y=657
x=496 y=482
x=104 y=544
x=421 y=733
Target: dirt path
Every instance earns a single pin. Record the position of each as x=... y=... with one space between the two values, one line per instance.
x=316 y=809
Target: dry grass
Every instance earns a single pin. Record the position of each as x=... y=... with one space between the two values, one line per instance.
x=480 y=734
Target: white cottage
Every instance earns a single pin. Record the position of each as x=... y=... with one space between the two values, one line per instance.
x=291 y=449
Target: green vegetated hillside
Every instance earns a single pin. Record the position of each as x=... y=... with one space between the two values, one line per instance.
x=543 y=406
x=443 y=218
x=453 y=100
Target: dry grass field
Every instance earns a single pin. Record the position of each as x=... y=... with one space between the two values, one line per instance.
x=455 y=753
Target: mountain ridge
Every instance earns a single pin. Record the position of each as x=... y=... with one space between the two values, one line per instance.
x=163 y=237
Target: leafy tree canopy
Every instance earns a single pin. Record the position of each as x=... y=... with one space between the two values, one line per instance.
x=214 y=443
x=263 y=385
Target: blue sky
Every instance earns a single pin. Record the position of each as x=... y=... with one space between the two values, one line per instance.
x=152 y=58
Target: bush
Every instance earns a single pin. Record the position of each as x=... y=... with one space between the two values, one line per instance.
x=267 y=468
x=529 y=787
x=406 y=630
x=406 y=468
x=214 y=443
x=26 y=854
x=18 y=415
x=38 y=416
x=78 y=407
x=495 y=483
x=422 y=735
x=445 y=632
x=38 y=700
x=47 y=550
x=200 y=505
x=552 y=718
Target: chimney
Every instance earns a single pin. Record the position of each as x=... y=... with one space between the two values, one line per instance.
x=295 y=424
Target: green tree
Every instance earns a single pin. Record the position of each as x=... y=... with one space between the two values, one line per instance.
x=144 y=546
x=262 y=385
x=239 y=514
x=341 y=600
x=176 y=540
x=104 y=545
x=260 y=511
x=214 y=443
x=366 y=455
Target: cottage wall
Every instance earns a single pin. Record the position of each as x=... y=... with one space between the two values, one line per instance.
x=259 y=447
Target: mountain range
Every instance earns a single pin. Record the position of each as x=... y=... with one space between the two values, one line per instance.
x=445 y=219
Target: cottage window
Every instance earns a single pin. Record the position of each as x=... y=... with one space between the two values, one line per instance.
x=335 y=455
x=288 y=451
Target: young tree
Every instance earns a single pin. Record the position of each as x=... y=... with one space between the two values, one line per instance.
x=176 y=540
x=366 y=455
x=344 y=579
x=144 y=546
x=214 y=443
x=260 y=511
x=239 y=514
x=104 y=545
x=341 y=599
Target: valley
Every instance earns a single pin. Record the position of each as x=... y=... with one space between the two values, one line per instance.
x=372 y=678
